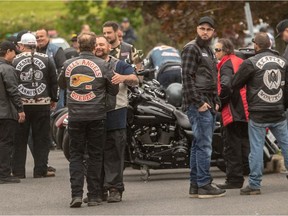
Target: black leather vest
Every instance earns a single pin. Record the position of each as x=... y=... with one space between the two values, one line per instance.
x=265 y=90
x=206 y=75
x=33 y=78
x=86 y=78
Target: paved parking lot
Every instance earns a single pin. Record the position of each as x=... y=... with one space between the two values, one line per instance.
x=165 y=194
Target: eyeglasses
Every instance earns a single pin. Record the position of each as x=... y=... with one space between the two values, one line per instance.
x=205 y=29
x=218 y=50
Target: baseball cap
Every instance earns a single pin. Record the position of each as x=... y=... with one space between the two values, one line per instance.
x=281 y=26
x=208 y=20
x=5 y=45
x=74 y=37
x=28 y=39
x=125 y=19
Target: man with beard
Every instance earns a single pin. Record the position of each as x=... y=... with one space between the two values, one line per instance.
x=116 y=121
x=282 y=30
x=120 y=50
x=199 y=77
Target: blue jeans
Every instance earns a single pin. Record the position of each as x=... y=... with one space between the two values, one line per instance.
x=203 y=124
x=61 y=100
x=257 y=133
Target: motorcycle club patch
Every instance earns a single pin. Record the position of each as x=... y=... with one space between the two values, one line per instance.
x=82 y=97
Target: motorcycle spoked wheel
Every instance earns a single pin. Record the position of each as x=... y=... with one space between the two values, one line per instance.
x=66 y=145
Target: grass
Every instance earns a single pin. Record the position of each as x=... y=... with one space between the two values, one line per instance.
x=10 y=10
x=18 y=15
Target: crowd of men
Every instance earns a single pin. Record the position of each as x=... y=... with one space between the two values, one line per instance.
x=252 y=95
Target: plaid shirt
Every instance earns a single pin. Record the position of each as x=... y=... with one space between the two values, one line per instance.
x=191 y=58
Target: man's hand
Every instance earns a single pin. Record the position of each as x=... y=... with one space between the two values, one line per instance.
x=21 y=117
x=117 y=79
x=52 y=105
x=204 y=107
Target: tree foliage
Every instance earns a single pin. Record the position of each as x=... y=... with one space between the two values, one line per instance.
x=179 y=18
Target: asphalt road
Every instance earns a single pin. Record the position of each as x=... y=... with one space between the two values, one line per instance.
x=166 y=193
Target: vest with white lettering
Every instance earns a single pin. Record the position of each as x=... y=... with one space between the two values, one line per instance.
x=34 y=78
x=265 y=89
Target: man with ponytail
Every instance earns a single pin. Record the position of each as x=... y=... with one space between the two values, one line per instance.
x=234 y=116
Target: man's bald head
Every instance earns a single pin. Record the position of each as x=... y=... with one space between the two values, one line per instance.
x=262 y=41
x=87 y=41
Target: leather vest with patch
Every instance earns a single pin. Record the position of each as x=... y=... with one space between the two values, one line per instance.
x=265 y=89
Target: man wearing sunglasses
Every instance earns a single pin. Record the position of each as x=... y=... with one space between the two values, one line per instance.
x=199 y=76
x=266 y=80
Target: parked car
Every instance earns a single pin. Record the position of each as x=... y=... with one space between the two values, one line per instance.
x=61 y=42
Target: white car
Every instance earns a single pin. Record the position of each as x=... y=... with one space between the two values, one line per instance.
x=60 y=42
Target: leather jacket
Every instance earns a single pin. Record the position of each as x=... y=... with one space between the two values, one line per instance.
x=10 y=99
x=88 y=81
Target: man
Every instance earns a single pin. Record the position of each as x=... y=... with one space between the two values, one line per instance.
x=128 y=32
x=167 y=62
x=88 y=80
x=282 y=30
x=56 y=54
x=38 y=88
x=234 y=116
x=200 y=98
x=116 y=122
x=120 y=50
x=11 y=110
x=265 y=77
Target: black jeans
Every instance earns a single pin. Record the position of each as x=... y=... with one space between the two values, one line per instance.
x=166 y=78
x=236 y=151
x=39 y=122
x=7 y=132
x=92 y=134
x=114 y=152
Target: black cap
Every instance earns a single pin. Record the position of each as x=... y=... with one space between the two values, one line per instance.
x=125 y=19
x=5 y=45
x=208 y=20
x=19 y=35
x=74 y=37
x=280 y=28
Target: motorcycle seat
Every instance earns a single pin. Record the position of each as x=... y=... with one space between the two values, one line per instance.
x=182 y=119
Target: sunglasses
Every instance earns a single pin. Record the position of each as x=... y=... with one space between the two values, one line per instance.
x=217 y=50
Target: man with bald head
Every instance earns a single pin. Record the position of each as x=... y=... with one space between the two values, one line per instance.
x=266 y=79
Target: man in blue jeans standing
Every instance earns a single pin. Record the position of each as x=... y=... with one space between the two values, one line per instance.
x=199 y=75
x=266 y=79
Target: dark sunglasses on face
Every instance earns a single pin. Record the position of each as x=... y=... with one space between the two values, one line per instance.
x=217 y=50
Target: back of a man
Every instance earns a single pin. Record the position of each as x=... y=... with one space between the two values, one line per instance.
x=265 y=77
x=167 y=62
x=88 y=80
x=38 y=88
